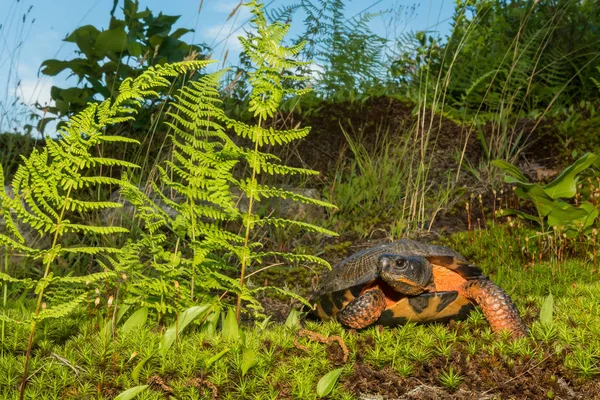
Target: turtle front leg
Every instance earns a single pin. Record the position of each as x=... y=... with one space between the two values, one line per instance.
x=497 y=307
x=363 y=310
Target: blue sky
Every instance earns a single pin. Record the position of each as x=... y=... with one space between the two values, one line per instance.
x=24 y=45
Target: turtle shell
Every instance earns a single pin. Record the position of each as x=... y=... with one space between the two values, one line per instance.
x=348 y=279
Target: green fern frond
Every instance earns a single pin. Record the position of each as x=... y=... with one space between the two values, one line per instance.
x=89 y=250
x=6 y=241
x=264 y=191
x=285 y=223
x=119 y=139
x=267 y=136
x=4 y=318
x=111 y=162
x=61 y=310
x=305 y=258
x=7 y=278
x=48 y=188
x=87 y=279
x=84 y=205
x=86 y=229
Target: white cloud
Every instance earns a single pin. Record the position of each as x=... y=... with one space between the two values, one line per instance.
x=37 y=89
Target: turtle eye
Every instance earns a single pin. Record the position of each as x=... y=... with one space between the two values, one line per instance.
x=401 y=264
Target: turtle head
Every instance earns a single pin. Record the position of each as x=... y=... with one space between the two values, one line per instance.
x=405 y=274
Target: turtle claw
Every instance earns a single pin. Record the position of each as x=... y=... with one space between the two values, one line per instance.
x=363 y=310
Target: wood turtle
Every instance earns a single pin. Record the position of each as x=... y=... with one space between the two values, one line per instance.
x=407 y=280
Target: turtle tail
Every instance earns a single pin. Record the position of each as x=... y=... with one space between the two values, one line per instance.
x=498 y=308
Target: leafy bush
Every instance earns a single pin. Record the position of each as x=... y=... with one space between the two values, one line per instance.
x=125 y=50
x=552 y=210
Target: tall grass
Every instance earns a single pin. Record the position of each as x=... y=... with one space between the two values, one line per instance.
x=14 y=31
x=385 y=183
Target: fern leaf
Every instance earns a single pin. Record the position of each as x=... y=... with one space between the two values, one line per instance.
x=101 y=230
x=91 y=278
x=61 y=310
x=89 y=250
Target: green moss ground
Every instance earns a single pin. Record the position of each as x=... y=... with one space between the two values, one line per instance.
x=562 y=359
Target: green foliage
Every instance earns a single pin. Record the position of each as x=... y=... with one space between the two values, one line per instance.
x=135 y=321
x=328 y=381
x=573 y=342
x=183 y=320
x=47 y=194
x=249 y=360
x=203 y=173
x=548 y=199
x=230 y=329
x=293 y=319
x=132 y=392
x=515 y=55
x=546 y=310
x=127 y=48
x=450 y=379
x=350 y=54
x=48 y=184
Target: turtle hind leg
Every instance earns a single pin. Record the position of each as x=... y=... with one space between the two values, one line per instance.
x=498 y=308
x=363 y=310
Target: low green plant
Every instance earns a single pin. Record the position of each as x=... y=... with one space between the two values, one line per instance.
x=328 y=381
x=451 y=379
x=553 y=211
x=131 y=393
x=210 y=356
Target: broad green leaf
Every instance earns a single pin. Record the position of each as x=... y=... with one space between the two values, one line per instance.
x=122 y=311
x=573 y=219
x=264 y=323
x=111 y=40
x=230 y=329
x=180 y=32
x=327 y=382
x=544 y=204
x=134 y=48
x=214 y=359
x=136 y=320
x=82 y=31
x=546 y=311
x=565 y=214
x=135 y=374
x=249 y=360
x=131 y=393
x=592 y=214
x=293 y=321
x=175 y=330
x=510 y=170
x=53 y=67
x=85 y=37
x=210 y=324
x=565 y=184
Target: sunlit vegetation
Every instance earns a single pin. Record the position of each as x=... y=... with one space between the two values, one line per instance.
x=166 y=241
